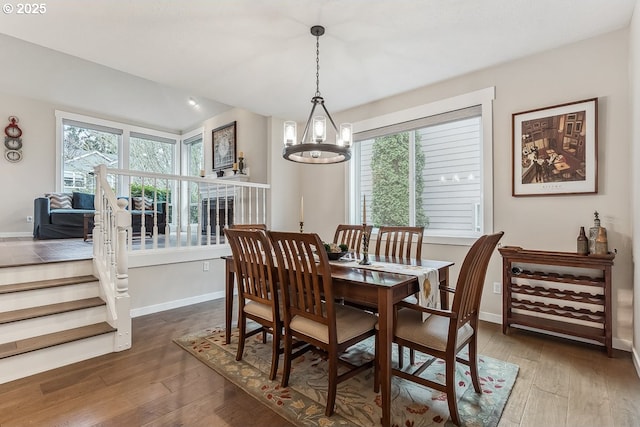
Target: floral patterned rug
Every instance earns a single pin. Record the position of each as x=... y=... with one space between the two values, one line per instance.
x=303 y=401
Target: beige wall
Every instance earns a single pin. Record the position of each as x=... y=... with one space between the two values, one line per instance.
x=252 y=137
x=35 y=174
x=592 y=68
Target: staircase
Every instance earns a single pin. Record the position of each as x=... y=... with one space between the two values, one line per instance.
x=51 y=315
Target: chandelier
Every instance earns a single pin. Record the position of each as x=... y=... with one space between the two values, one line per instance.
x=316 y=149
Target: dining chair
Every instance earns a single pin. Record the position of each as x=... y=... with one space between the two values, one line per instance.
x=399 y=241
x=351 y=235
x=262 y=227
x=258 y=298
x=446 y=332
x=310 y=314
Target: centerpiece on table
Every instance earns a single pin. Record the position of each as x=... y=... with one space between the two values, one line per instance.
x=336 y=251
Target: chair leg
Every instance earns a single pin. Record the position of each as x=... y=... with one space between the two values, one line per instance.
x=450 y=385
x=473 y=364
x=275 y=352
x=400 y=356
x=376 y=366
x=412 y=356
x=242 y=329
x=333 y=384
x=286 y=370
x=264 y=336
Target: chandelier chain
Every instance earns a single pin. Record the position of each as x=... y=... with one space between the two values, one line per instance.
x=316 y=149
x=317 y=65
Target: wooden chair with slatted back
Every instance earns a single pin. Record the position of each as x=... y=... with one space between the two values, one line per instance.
x=446 y=332
x=257 y=289
x=262 y=227
x=310 y=314
x=351 y=235
x=399 y=242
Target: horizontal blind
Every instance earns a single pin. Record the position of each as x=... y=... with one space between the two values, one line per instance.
x=91 y=126
x=196 y=139
x=419 y=123
x=152 y=138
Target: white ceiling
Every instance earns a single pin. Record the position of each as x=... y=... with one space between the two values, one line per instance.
x=259 y=54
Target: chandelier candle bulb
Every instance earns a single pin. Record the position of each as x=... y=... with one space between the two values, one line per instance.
x=290 y=133
x=319 y=127
x=345 y=134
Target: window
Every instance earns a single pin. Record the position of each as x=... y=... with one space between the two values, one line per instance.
x=429 y=166
x=85 y=146
x=194 y=157
x=151 y=153
x=84 y=142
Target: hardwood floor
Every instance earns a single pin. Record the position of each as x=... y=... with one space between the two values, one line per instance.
x=561 y=382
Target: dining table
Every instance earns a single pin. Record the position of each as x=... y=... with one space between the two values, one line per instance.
x=380 y=285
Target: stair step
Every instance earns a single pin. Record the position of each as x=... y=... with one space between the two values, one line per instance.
x=50 y=340
x=43 y=284
x=47 y=310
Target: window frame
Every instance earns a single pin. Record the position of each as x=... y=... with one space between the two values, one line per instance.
x=188 y=139
x=123 y=143
x=482 y=97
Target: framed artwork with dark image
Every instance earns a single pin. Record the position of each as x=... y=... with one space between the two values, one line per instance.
x=551 y=163
x=223 y=142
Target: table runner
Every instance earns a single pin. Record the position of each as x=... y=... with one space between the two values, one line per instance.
x=428 y=279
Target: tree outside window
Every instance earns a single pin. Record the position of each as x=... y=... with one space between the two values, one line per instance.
x=83 y=149
x=390 y=170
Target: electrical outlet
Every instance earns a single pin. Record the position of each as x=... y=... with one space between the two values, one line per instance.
x=497 y=287
x=29 y=218
x=205 y=266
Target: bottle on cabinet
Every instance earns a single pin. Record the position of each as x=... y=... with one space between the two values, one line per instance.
x=593 y=233
x=582 y=243
x=601 y=242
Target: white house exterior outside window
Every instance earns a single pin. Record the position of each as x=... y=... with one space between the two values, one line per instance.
x=428 y=166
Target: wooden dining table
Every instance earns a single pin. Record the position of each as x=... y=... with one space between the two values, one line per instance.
x=379 y=288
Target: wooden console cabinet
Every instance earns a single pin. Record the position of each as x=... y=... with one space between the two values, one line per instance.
x=560 y=292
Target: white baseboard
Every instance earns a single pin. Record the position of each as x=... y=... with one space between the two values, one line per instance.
x=136 y=312
x=13 y=234
x=490 y=317
x=617 y=343
x=636 y=360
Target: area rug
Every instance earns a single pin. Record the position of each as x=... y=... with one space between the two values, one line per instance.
x=303 y=401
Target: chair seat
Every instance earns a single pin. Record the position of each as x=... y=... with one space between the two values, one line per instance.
x=431 y=333
x=350 y=322
x=258 y=309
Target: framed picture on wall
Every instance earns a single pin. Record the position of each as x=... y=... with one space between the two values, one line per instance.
x=224 y=146
x=560 y=159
